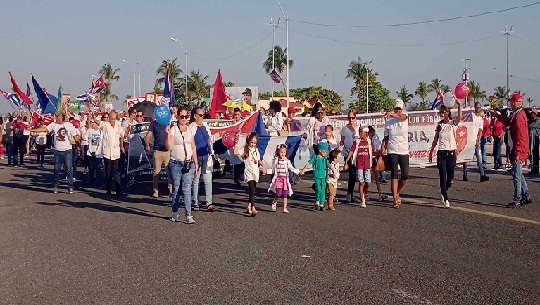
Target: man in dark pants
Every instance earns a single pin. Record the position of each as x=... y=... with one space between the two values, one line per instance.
x=534 y=131
x=18 y=142
x=7 y=140
x=112 y=144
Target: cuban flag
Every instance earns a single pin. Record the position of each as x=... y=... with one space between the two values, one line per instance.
x=438 y=100
x=168 y=90
x=98 y=86
x=275 y=77
x=14 y=99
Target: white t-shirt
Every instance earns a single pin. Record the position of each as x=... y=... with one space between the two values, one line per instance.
x=110 y=142
x=26 y=131
x=398 y=136
x=334 y=168
x=478 y=123
x=83 y=131
x=178 y=153
x=274 y=123
x=62 y=135
x=447 y=136
x=251 y=170
x=94 y=142
x=41 y=138
x=349 y=137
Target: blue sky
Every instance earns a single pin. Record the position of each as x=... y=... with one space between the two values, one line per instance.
x=63 y=41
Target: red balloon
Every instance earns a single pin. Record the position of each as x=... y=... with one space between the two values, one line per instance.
x=76 y=123
x=462 y=90
x=228 y=138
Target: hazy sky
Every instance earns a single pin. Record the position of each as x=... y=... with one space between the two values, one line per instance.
x=66 y=41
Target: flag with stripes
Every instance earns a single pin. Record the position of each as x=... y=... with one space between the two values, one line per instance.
x=438 y=100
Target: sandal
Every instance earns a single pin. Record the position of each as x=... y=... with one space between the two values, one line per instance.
x=254 y=212
x=249 y=210
x=210 y=208
x=196 y=208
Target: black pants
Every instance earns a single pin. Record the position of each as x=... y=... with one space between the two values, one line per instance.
x=252 y=188
x=403 y=162
x=534 y=156
x=351 y=182
x=238 y=171
x=19 y=147
x=112 y=171
x=40 y=152
x=446 y=163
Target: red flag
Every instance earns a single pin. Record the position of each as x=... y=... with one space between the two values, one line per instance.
x=99 y=85
x=219 y=97
x=275 y=77
x=19 y=92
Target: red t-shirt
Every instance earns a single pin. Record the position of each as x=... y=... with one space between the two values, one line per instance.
x=362 y=155
x=486 y=131
x=497 y=128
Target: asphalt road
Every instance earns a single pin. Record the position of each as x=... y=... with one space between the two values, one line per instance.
x=87 y=248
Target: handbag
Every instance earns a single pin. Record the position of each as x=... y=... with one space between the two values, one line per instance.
x=379 y=164
x=187 y=164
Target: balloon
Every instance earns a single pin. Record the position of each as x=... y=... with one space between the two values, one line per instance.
x=228 y=138
x=448 y=100
x=162 y=115
x=76 y=123
x=462 y=90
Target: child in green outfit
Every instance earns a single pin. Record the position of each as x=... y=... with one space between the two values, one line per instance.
x=319 y=162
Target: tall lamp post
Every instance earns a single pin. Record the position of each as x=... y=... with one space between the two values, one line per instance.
x=287 y=49
x=134 y=79
x=507 y=33
x=187 y=71
x=368 y=71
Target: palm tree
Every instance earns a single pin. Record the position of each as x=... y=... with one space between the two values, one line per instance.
x=174 y=70
x=197 y=85
x=422 y=91
x=404 y=95
x=501 y=93
x=434 y=86
x=475 y=92
x=494 y=102
x=280 y=60
x=109 y=74
x=530 y=101
x=358 y=70
x=445 y=88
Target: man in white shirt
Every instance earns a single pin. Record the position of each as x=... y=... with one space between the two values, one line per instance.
x=112 y=147
x=478 y=127
x=64 y=133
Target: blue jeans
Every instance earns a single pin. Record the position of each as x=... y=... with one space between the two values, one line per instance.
x=10 y=153
x=497 y=151
x=479 y=163
x=95 y=166
x=65 y=158
x=207 y=179
x=520 y=185
x=181 y=178
x=483 y=141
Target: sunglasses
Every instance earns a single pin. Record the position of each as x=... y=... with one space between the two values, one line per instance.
x=105 y=117
x=200 y=114
x=139 y=116
x=184 y=117
x=352 y=118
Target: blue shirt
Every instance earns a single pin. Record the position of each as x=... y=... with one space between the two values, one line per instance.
x=201 y=141
x=160 y=136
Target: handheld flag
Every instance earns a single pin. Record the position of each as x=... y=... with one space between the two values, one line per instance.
x=99 y=85
x=60 y=89
x=18 y=90
x=219 y=97
x=45 y=102
x=168 y=90
x=11 y=97
x=438 y=100
x=28 y=91
x=275 y=77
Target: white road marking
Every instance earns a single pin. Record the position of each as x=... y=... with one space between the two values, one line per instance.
x=409 y=296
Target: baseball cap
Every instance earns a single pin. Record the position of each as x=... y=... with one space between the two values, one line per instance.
x=364 y=128
x=398 y=103
x=322 y=146
x=517 y=98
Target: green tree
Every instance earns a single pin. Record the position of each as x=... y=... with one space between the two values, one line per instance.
x=435 y=85
x=475 y=92
x=445 y=88
x=197 y=86
x=494 y=102
x=530 y=101
x=176 y=72
x=379 y=97
x=228 y=84
x=268 y=95
x=422 y=91
x=109 y=75
x=359 y=71
x=404 y=95
x=501 y=93
x=332 y=100
x=280 y=60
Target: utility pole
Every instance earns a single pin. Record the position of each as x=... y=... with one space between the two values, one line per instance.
x=273 y=50
x=287 y=49
x=465 y=74
x=139 y=67
x=507 y=33
x=367 y=85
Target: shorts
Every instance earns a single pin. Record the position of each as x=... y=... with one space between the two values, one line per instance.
x=395 y=160
x=363 y=175
x=281 y=193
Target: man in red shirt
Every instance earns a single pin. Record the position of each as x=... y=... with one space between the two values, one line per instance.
x=519 y=149
x=497 y=133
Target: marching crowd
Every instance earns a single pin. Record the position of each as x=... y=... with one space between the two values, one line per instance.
x=185 y=149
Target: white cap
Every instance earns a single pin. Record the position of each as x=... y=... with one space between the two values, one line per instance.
x=398 y=103
x=364 y=128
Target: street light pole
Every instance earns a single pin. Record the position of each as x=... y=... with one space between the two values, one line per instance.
x=507 y=33
x=465 y=74
x=187 y=71
x=287 y=50
x=367 y=85
x=139 y=78
x=134 y=79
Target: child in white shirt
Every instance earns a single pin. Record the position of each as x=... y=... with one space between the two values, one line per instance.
x=333 y=177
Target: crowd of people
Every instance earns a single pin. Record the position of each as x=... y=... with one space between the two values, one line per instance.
x=185 y=149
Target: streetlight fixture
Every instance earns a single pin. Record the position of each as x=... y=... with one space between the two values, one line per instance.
x=507 y=33
x=186 y=73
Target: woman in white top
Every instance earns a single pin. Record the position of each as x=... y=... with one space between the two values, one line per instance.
x=183 y=163
x=274 y=122
x=315 y=127
x=349 y=134
x=445 y=138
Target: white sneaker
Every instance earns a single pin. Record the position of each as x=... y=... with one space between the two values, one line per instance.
x=70 y=191
x=55 y=190
x=317 y=204
x=190 y=220
x=285 y=211
x=274 y=206
x=174 y=217
x=363 y=204
x=443 y=201
x=447 y=204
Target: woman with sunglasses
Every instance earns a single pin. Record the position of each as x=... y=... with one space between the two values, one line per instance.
x=445 y=138
x=349 y=134
x=315 y=127
x=183 y=163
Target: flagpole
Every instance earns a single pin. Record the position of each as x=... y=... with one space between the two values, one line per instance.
x=139 y=79
x=286 y=49
x=273 y=53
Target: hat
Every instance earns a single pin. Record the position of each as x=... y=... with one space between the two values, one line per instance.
x=364 y=128
x=517 y=98
x=247 y=91
x=398 y=103
x=291 y=109
x=322 y=146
